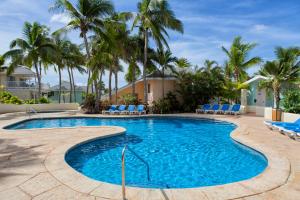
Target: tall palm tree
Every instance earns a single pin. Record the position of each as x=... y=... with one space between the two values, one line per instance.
x=2 y=61
x=86 y=15
x=166 y=61
x=285 y=69
x=134 y=48
x=238 y=58
x=154 y=17
x=32 y=50
x=117 y=68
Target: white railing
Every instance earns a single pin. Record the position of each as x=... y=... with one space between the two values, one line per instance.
x=20 y=84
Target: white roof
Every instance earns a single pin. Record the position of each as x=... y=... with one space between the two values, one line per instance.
x=255 y=78
x=22 y=70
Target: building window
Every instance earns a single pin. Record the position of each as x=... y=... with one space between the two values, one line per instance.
x=149 y=88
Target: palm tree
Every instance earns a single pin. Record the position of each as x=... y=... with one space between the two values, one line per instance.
x=166 y=61
x=32 y=50
x=285 y=69
x=238 y=61
x=2 y=61
x=133 y=48
x=153 y=18
x=117 y=68
x=87 y=15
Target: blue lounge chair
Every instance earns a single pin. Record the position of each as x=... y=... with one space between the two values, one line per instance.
x=203 y=109
x=119 y=110
x=130 y=110
x=234 y=110
x=278 y=125
x=292 y=132
x=140 y=110
x=110 y=110
x=213 y=109
x=224 y=108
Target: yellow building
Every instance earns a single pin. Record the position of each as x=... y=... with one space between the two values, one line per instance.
x=155 y=90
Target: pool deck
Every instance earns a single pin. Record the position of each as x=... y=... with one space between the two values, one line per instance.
x=32 y=165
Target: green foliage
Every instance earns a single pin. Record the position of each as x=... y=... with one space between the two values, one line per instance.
x=238 y=61
x=198 y=87
x=129 y=99
x=43 y=100
x=291 y=101
x=89 y=104
x=8 y=98
x=284 y=70
x=169 y=104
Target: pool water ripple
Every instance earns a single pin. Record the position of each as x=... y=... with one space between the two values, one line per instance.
x=180 y=152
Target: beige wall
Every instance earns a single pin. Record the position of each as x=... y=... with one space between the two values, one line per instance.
x=10 y=108
x=155 y=90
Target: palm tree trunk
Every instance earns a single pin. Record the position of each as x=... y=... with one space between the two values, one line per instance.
x=71 y=85
x=133 y=80
x=39 y=80
x=97 y=102
x=163 y=83
x=276 y=89
x=145 y=66
x=89 y=56
x=100 y=81
x=116 y=87
x=109 y=84
x=59 y=93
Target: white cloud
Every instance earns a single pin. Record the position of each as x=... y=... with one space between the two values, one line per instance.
x=259 y=28
x=60 y=18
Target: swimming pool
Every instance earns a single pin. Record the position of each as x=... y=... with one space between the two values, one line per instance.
x=162 y=152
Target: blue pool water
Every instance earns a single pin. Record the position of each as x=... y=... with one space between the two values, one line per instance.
x=162 y=152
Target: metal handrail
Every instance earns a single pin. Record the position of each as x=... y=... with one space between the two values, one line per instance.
x=30 y=109
x=123 y=174
x=143 y=161
x=123 y=169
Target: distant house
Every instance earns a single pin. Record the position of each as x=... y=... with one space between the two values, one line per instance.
x=21 y=83
x=154 y=82
x=53 y=93
x=255 y=99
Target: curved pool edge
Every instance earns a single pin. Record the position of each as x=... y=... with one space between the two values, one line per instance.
x=275 y=175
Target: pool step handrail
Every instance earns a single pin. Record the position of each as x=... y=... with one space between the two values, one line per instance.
x=142 y=160
x=123 y=174
x=123 y=169
x=30 y=110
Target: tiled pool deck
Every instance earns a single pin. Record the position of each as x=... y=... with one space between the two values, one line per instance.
x=32 y=165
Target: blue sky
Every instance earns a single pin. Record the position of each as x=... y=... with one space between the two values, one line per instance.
x=209 y=24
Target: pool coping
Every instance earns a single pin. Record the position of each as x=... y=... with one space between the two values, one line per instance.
x=275 y=175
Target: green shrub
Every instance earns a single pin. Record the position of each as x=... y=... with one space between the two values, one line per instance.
x=43 y=100
x=169 y=104
x=291 y=101
x=8 y=98
x=129 y=99
x=89 y=103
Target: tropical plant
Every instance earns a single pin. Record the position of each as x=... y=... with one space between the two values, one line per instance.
x=86 y=15
x=166 y=61
x=153 y=18
x=8 y=98
x=129 y=99
x=238 y=59
x=169 y=104
x=117 y=68
x=2 y=61
x=291 y=101
x=284 y=70
x=33 y=50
